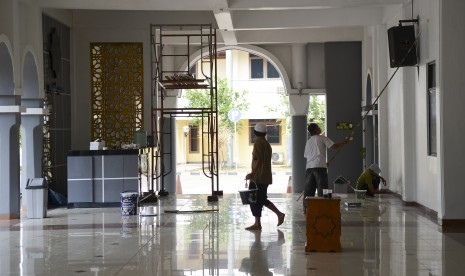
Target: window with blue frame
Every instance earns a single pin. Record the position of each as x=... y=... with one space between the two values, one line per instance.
x=261 y=68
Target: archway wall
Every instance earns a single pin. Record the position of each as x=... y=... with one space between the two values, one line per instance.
x=321 y=70
x=25 y=18
x=7 y=81
x=281 y=57
x=282 y=69
x=32 y=84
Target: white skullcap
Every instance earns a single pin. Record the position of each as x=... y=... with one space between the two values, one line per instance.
x=375 y=168
x=260 y=128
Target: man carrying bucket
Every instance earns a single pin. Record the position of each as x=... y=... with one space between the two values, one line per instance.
x=261 y=175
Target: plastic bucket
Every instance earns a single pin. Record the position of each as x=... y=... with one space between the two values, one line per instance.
x=129 y=203
x=140 y=138
x=248 y=196
x=360 y=194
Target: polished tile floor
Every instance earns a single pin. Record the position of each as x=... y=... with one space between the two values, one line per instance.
x=185 y=235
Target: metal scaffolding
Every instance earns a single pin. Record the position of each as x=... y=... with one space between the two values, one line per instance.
x=168 y=82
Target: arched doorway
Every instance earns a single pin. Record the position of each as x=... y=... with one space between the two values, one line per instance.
x=242 y=69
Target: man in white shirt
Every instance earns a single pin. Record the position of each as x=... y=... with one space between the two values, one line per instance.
x=316 y=175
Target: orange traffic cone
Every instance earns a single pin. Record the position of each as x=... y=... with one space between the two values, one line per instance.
x=178 y=185
x=289 y=185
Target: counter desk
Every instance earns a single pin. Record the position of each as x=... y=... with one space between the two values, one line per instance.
x=97 y=177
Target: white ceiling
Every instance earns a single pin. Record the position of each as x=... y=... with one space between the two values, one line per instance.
x=261 y=21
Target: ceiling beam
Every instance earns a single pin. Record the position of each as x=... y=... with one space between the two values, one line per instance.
x=147 y=5
x=309 y=4
x=313 y=35
x=348 y=17
x=225 y=25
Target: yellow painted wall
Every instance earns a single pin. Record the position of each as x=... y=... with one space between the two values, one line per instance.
x=183 y=153
x=244 y=148
x=221 y=69
x=242 y=63
x=241 y=73
x=180 y=142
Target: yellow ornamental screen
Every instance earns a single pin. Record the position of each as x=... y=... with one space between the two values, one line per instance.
x=117 y=91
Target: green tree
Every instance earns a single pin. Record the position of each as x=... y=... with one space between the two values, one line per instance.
x=283 y=108
x=227 y=100
x=317 y=111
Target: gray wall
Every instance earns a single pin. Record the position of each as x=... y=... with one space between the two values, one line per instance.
x=315 y=65
x=451 y=98
x=343 y=75
x=299 y=162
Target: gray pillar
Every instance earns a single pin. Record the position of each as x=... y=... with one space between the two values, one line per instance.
x=299 y=138
x=9 y=165
x=451 y=126
x=169 y=147
x=343 y=75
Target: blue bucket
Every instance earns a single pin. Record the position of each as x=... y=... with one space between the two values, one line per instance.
x=129 y=203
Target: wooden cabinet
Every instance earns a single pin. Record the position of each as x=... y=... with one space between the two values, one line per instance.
x=323 y=224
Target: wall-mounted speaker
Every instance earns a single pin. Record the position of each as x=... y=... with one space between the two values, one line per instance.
x=402 y=48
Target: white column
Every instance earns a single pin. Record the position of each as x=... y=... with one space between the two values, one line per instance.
x=408 y=130
x=229 y=68
x=299 y=66
x=298 y=96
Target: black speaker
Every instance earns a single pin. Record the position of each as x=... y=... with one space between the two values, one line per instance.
x=402 y=51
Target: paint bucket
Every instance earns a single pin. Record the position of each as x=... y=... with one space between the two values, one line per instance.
x=249 y=196
x=140 y=138
x=129 y=203
x=360 y=194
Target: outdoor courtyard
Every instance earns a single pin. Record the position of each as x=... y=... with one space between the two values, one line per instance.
x=231 y=180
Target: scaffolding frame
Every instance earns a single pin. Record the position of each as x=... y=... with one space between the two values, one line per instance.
x=170 y=83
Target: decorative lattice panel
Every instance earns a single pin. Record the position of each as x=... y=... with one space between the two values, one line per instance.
x=47 y=154
x=117 y=91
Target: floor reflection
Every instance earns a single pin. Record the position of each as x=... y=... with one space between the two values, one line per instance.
x=264 y=256
x=382 y=237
